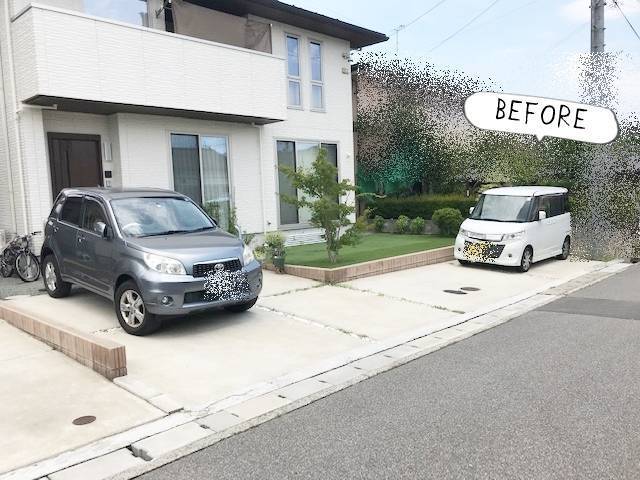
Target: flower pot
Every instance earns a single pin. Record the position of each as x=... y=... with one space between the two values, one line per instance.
x=278 y=262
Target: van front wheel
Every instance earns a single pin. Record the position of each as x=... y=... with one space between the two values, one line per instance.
x=526 y=260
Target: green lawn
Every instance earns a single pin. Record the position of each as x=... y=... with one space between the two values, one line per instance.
x=372 y=247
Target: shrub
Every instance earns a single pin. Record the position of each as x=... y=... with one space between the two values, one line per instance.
x=448 y=220
x=402 y=224
x=378 y=223
x=274 y=245
x=417 y=225
x=420 y=205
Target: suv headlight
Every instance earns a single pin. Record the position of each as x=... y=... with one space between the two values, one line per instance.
x=513 y=236
x=164 y=264
x=247 y=255
x=464 y=233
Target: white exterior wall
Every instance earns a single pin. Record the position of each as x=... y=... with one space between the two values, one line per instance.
x=334 y=125
x=23 y=166
x=140 y=144
x=121 y=63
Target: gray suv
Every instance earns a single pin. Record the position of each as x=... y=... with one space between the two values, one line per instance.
x=153 y=252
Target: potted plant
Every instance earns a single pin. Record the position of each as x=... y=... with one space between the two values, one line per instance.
x=275 y=251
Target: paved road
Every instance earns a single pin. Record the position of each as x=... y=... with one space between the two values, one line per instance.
x=552 y=394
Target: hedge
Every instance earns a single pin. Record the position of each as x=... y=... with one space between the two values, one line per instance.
x=420 y=205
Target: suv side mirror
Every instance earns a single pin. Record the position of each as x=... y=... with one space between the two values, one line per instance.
x=471 y=210
x=542 y=215
x=101 y=229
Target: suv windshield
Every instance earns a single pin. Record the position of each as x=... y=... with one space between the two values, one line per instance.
x=146 y=216
x=503 y=208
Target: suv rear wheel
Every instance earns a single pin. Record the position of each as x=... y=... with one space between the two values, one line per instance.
x=53 y=283
x=132 y=312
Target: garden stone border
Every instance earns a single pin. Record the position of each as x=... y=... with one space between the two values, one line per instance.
x=368 y=269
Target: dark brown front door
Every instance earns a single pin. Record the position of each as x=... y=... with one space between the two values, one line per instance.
x=75 y=161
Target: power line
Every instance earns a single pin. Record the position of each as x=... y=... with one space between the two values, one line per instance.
x=407 y=25
x=465 y=25
x=615 y=2
x=507 y=13
x=564 y=39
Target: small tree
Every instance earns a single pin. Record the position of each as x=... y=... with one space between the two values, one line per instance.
x=322 y=194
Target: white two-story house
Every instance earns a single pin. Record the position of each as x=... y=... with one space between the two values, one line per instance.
x=205 y=97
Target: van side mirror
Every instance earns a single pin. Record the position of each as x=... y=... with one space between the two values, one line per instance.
x=471 y=210
x=542 y=215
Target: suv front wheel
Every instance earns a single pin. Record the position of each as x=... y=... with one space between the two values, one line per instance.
x=132 y=312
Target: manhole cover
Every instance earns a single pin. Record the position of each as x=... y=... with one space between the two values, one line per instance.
x=84 y=420
x=455 y=292
x=470 y=289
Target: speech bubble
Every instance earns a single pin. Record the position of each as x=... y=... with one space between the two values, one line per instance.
x=542 y=117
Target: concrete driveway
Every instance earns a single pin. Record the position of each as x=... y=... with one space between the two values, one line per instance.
x=298 y=324
x=204 y=358
x=42 y=392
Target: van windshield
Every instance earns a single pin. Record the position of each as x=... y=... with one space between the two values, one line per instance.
x=149 y=216
x=503 y=208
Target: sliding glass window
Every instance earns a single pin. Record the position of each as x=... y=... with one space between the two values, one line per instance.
x=299 y=156
x=200 y=171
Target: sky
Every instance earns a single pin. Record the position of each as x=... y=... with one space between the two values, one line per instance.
x=525 y=46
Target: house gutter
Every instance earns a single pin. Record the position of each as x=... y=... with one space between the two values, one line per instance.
x=12 y=81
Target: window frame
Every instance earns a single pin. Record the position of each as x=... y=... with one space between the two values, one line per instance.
x=198 y=135
x=317 y=83
x=299 y=225
x=293 y=78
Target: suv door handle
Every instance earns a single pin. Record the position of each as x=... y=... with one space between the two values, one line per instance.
x=81 y=239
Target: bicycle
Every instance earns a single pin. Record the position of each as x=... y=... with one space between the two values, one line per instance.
x=17 y=256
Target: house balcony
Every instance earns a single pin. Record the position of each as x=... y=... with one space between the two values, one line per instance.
x=83 y=63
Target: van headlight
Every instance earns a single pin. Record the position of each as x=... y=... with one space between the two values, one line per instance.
x=164 y=264
x=247 y=255
x=465 y=233
x=513 y=236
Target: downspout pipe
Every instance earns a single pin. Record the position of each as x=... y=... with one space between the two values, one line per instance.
x=261 y=165
x=12 y=81
x=12 y=206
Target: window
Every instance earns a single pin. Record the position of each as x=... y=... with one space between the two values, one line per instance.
x=556 y=205
x=93 y=213
x=71 y=211
x=299 y=156
x=149 y=216
x=200 y=171
x=317 y=88
x=293 y=71
x=123 y=11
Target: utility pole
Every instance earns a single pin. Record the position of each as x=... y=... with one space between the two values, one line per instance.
x=597 y=26
x=397 y=32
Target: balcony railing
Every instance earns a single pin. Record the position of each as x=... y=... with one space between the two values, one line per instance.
x=61 y=54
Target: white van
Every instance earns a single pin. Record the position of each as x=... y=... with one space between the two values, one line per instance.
x=516 y=226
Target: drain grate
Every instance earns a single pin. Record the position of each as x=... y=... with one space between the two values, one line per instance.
x=84 y=420
x=455 y=292
x=470 y=289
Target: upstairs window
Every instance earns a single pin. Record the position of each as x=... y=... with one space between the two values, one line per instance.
x=317 y=86
x=293 y=71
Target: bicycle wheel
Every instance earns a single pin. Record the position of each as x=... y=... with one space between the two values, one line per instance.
x=28 y=267
x=6 y=270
